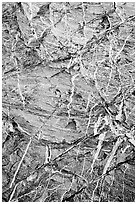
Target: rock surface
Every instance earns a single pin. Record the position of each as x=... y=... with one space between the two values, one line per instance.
x=68 y=101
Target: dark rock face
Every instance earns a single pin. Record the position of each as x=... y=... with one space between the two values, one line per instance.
x=68 y=101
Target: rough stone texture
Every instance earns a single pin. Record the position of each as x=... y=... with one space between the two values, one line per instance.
x=68 y=101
